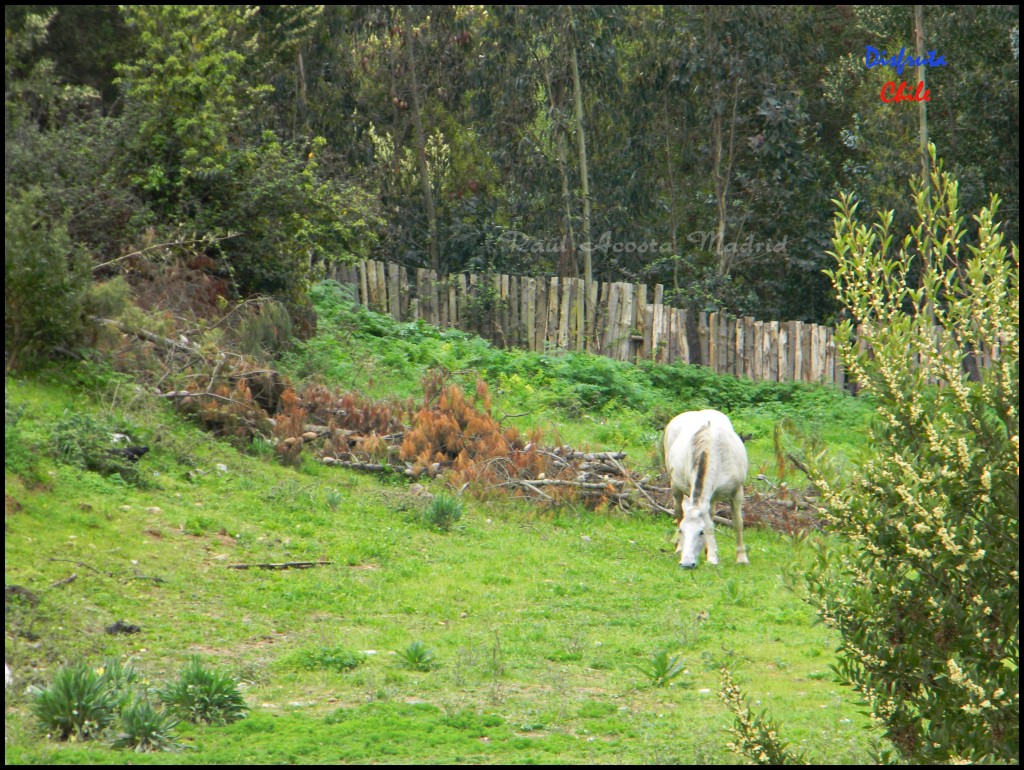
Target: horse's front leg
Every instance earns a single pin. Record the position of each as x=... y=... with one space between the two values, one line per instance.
x=709 y=539
x=737 y=524
x=677 y=512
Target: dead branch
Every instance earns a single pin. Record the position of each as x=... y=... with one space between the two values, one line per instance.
x=281 y=565
x=156 y=339
x=81 y=564
x=140 y=252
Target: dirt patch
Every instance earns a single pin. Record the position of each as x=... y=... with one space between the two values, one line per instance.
x=11 y=505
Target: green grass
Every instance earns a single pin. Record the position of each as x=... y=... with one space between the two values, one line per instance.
x=540 y=621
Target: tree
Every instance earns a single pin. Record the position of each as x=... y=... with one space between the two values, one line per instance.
x=45 y=279
x=926 y=593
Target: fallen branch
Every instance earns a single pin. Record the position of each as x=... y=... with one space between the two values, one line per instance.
x=281 y=565
x=81 y=564
x=375 y=467
x=142 y=334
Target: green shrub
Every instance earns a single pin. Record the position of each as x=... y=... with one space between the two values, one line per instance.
x=77 y=705
x=202 y=695
x=265 y=329
x=443 y=512
x=144 y=728
x=45 y=277
x=926 y=595
x=85 y=441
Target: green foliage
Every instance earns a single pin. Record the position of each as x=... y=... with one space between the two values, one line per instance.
x=661 y=668
x=121 y=680
x=204 y=695
x=77 y=705
x=926 y=596
x=443 y=512
x=199 y=155
x=143 y=728
x=45 y=277
x=265 y=329
x=333 y=658
x=108 y=299
x=21 y=455
x=188 y=91
x=418 y=657
x=85 y=441
x=756 y=735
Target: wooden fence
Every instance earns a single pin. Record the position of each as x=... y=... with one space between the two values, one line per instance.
x=624 y=321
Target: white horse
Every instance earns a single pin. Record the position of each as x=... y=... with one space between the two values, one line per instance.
x=706 y=461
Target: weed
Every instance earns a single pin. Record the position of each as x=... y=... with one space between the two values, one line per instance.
x=143 y=728
x=120 y=679
x=261 y=448
x=443 y=512
x=202 y=695
x=333 y=499
x=418 y=657
x=734 y=591
x=334 y=658
x=661 y=668
x=77 y=705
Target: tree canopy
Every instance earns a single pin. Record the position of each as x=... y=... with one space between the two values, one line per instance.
x=277 y=138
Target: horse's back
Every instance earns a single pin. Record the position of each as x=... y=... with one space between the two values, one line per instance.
x=685 y=426
x=679 y=446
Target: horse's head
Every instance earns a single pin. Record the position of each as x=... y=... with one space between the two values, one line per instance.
x=691 y=534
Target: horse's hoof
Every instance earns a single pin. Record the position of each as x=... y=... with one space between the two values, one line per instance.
x=688 y=566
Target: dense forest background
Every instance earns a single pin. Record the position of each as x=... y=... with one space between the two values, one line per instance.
x=255 y=144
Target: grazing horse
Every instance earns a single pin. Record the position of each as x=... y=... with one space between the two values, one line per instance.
x=706 y=461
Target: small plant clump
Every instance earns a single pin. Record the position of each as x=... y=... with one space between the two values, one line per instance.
x=444 y=511
x=418 y=657
x=78 y=705
x=335 y=658
x=204 y=695
x=661 y=668
x=85 y=704
x=144 y=728
x=86 y=442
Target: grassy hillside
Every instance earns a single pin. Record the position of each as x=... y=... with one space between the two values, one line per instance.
x=542 y=622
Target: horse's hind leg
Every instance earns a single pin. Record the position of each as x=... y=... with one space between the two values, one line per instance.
x=737 y=523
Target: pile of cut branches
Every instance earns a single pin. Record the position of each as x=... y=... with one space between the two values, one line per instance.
x=448 y=433
x=455 y=434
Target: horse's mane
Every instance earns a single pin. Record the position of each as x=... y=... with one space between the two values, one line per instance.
x=701 y=446
x=702 y=440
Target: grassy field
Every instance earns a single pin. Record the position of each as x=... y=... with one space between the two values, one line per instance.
x=541 y=622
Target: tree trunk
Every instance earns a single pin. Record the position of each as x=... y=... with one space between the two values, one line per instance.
x=922 y=106
x=723 y=178
x=588 y=267
x=421 y=149
x=567 y=257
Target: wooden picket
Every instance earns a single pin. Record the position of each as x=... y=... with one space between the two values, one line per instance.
x=624 y=321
